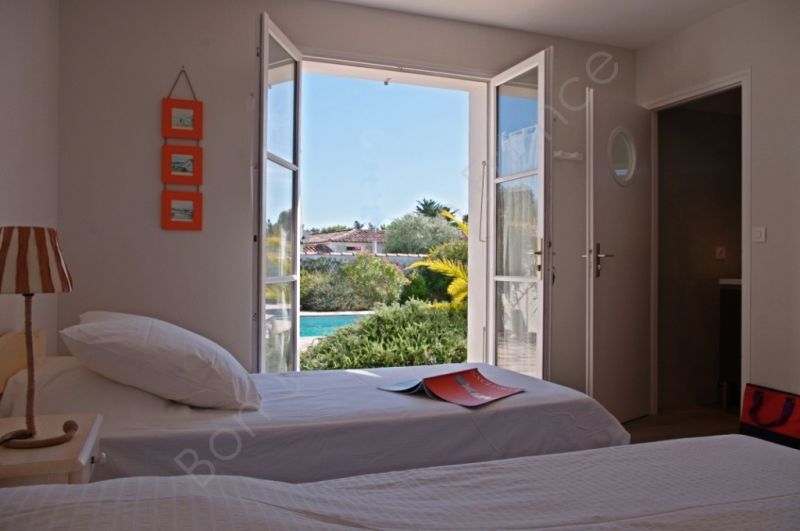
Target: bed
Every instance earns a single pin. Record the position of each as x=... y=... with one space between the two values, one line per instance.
x=724 y=482
x=320 y=425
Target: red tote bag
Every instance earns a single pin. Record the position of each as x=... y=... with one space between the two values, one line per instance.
x=772 y=415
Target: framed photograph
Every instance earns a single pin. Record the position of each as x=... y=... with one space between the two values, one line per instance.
x=181 y=210
x=181 y=119
x=182 y=164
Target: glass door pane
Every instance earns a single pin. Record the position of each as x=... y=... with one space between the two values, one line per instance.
x=517 y=227
x=518 y=124
x=278 y=232
x=279 y=327
x=517 y=267
x=281 y=99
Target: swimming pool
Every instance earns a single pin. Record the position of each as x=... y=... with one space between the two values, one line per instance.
x=323 y=325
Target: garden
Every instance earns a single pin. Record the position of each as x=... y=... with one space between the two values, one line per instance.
x=417 y=312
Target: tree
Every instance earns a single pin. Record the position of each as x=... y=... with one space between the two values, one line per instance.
x=415 y=233
x=358 y=225
x=430 y=208
x=454 y=269
x=332 y=228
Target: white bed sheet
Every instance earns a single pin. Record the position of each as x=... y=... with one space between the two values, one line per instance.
x=724 y=482
x=321 y=425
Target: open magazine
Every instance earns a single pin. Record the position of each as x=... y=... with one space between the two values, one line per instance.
x=468 y=388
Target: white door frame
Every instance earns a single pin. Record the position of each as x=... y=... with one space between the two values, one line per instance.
x=742 y=80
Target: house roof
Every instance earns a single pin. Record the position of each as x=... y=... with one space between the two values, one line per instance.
x=347 y=236
x=319 y=248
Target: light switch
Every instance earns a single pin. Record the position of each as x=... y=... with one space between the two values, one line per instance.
x=720 y=253
x=759 y=234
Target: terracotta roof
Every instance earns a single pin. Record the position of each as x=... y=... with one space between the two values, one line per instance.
x=348 y=236
x=319 y=248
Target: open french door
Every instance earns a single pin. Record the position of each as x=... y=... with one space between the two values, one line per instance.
x=618 y=255
x=278 y=235
x=518 y=251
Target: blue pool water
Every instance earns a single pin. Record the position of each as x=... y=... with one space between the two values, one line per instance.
x=323 y=325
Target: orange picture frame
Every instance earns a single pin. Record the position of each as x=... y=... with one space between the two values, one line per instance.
x=181 y=210
x=181 y=164
x=181 y=118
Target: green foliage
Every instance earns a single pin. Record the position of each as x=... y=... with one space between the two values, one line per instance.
x=432 y=208
x=458 y=251
x=417 y=288
x=415 y=233
x=446 y=266
x=456 y=271
x=415 y=333
x=326 y=230
x=436 y=284
x=326 y=285
x=374 y=280
x=450 y=216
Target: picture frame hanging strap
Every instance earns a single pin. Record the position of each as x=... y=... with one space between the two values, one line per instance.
x=188 y=82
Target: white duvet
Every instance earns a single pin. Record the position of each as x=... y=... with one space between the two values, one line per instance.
x=727 y=482
x=321 y=425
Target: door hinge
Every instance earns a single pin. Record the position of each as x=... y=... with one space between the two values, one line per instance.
x=258 y=51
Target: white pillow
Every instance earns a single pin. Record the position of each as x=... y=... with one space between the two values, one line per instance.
x=64 y=386
x=165 y=360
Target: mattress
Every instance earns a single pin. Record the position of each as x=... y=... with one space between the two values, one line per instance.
x=327 y=424
x=725 y=482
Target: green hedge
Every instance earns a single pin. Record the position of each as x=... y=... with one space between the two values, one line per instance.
x=326 y=285
x=415 y=333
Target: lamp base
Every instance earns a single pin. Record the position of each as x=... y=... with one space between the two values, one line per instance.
x=24 y=439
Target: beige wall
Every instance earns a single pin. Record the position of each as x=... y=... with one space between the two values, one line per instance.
x=118 y=59
x=29 y=138
x=762 y=36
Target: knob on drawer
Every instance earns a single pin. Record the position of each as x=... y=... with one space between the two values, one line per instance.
x=99 y=459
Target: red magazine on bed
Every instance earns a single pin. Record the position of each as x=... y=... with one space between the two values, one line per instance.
x=468 y=388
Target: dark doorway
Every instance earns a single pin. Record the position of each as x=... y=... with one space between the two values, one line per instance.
x=700 y=253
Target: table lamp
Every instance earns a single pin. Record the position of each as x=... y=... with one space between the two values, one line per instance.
x=30 y=263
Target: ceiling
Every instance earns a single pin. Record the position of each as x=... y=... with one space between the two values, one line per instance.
x=630 y=24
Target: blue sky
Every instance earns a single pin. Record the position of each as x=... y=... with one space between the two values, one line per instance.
x=370 y=151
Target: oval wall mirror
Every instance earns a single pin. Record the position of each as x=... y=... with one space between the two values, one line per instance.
x=622 y=156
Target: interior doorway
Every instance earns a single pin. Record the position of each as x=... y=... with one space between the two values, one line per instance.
x=700 y=253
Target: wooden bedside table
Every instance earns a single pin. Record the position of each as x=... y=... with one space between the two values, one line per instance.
x=71 y=462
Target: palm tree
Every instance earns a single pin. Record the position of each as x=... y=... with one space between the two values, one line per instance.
x=457 y=271
x=431 y=208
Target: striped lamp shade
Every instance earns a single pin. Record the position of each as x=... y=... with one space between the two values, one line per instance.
x=31 y=261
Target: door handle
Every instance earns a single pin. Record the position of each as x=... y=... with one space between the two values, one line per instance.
x=598 y=264
x=538 y=259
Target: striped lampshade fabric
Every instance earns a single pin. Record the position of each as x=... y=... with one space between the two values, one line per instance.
x=31 y=261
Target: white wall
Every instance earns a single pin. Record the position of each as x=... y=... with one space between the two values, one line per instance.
x=763 y=36
x=118 y=59
x=29 y=138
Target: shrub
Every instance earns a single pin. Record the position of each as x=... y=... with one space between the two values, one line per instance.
x=457 y=251
x=326 y=285
x=415 y=333
x=437 y=283
x=417 y=288
x=373 y=280
x=415 y=233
